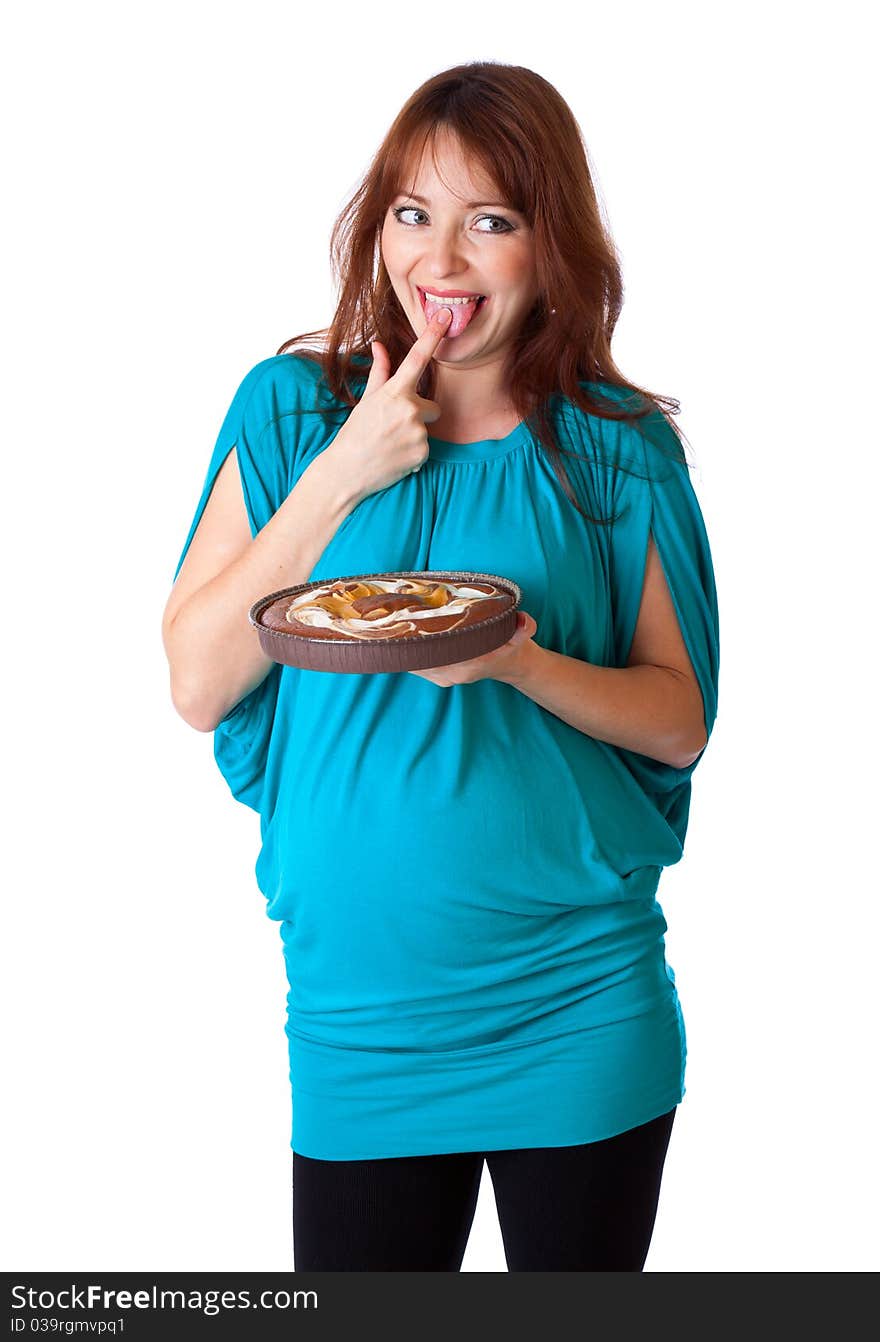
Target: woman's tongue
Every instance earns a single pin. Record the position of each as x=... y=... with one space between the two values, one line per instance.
x=462 y=313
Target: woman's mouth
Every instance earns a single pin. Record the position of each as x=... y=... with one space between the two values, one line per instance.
x=463 y=310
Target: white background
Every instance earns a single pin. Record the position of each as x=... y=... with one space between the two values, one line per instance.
x=175 y=171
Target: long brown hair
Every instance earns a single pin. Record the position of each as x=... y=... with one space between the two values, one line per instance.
x=519 y=129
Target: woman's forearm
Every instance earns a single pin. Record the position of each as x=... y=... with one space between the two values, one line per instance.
x=652 y=710
x=213 y=651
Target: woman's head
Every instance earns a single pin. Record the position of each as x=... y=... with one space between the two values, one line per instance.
x=497 y=130
x=484 y=132
x=451 y=232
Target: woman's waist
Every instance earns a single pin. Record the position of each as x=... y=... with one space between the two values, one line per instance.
x=402 y=983
x=442 y=788
x=489 y=1027
x=522 y=854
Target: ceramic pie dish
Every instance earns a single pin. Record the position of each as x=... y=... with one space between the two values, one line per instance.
x=380 y=622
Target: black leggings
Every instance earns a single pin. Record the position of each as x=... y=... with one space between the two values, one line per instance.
x=560 y=1208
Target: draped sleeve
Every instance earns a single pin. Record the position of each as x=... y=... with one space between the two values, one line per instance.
x=652 y=495
x=254 y=426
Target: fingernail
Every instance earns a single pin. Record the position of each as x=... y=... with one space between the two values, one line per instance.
x=444 y=316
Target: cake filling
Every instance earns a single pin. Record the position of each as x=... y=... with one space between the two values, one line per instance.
x=385 y=608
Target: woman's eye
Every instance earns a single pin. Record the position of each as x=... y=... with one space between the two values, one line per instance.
x=493 y=218
x=405 y=209
x=508 y=228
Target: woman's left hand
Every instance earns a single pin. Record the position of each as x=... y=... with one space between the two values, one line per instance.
x=501 y=664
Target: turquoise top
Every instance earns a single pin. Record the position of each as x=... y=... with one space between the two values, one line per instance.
x=465 y=884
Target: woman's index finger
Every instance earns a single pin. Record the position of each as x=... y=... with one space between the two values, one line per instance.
x=421 y=352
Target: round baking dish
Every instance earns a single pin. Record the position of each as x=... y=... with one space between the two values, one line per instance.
x=414 y=652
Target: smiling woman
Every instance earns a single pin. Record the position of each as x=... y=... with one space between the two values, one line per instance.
x=466 y=195
x=448 y=247
x=464 y=860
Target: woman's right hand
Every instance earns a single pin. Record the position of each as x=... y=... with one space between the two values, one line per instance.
x=384 y=437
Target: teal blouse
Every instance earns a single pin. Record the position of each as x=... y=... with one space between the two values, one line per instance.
x=465 y=884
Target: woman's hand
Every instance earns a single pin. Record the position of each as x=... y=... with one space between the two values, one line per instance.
x=384 y=438
x=501 y=664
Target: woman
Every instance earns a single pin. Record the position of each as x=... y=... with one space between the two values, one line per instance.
x=463 y=861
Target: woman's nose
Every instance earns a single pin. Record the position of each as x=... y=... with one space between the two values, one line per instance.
x=445 y=256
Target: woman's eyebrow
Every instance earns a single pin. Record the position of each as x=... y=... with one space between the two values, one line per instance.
x=470 y=204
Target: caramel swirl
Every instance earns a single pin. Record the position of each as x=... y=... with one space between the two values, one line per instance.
x=385 y=608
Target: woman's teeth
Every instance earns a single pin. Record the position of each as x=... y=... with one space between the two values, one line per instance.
x=434 y=298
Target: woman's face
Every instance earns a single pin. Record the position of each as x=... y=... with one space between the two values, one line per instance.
x=442 y=243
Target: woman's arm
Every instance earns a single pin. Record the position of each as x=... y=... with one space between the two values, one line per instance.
x=213 y=651
x=653 y=710
x=653 y=705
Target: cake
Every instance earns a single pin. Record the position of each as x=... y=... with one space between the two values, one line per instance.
x=385 y=608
